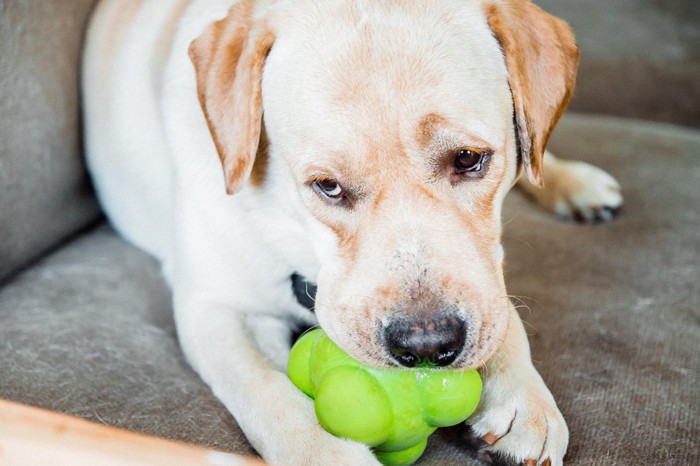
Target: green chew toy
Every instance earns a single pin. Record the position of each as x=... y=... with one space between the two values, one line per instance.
x=391 y=410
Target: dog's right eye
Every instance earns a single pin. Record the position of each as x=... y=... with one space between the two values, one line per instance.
x=330 y=190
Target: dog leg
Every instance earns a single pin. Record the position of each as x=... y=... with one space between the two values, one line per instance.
x=576 y=190
x=277 y=418
x=517 y=421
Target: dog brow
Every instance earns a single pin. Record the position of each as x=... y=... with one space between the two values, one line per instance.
x=427 y=127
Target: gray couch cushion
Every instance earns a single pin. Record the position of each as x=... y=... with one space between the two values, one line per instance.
x=44 y=192
x=613 y=313
x=89 y=331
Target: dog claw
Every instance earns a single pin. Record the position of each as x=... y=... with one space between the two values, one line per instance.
x=579 y=191
x=598 y=214
x=495 y=458
x=489 y=439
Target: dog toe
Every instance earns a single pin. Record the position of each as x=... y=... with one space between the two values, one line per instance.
x=589 y=196
x=496 y=458
x=529 y=432
x=595 y=214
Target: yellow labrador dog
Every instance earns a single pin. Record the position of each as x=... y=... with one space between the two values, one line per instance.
x=369 y=145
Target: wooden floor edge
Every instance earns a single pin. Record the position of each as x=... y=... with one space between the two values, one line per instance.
x=34 y=436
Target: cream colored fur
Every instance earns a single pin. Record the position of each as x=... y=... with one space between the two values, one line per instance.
x=330 y=110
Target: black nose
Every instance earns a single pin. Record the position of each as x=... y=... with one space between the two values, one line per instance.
x=435 y=341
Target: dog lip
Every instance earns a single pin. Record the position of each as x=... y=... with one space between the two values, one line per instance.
x=304 y=291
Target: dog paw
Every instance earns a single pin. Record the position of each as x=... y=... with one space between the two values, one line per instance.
x=316 y=447
x=586 y=193
x=313 y=446
x=285 y=431
x=339 y=452
x=579 y=191
x=526 y=428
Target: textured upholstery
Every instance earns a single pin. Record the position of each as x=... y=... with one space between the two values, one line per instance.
x=89 y=331
x=44 y=190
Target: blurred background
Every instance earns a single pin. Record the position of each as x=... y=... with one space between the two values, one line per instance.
x=639 y=58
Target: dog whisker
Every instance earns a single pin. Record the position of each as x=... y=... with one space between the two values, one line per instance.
x=525 y=297
x=506 y=222
x=519 y=240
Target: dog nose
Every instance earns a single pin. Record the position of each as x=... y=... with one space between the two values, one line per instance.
x=416 y=341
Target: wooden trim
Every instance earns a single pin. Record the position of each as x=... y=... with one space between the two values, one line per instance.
x=33 y=436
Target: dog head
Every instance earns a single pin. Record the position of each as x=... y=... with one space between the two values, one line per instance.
x=403 y=126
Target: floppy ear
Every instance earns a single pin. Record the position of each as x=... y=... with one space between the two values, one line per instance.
x=542 y=58
x=228 y=59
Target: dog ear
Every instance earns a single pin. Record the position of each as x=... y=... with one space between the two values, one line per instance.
x=228 y=58
x=542 y=58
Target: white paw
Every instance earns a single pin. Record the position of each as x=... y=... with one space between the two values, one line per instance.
x=579 y=191
x=297 y=439
x=520 y=425
x=332 y=450
x=313 y=446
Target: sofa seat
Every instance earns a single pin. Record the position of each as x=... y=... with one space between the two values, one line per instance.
x=89 y=331
x=612 y=312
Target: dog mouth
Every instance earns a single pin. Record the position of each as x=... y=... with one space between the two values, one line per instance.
x=447 y=339
x=304 y=291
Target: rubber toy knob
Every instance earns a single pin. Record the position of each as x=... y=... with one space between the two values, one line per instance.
x=394 y=411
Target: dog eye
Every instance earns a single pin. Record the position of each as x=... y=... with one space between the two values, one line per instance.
x=328 y=188
x=469 y=160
